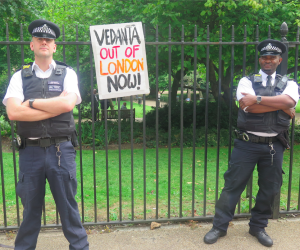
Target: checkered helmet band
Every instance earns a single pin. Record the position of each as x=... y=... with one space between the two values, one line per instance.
x=44 y=29
x=270 y=48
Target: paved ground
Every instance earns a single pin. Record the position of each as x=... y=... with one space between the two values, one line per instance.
x=285 y=234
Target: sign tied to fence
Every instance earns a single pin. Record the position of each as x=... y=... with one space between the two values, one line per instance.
x=120 y=59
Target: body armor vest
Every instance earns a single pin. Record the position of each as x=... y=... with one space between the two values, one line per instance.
x=34 y=87
x=270 y=122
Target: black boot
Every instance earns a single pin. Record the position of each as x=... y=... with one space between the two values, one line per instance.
x=213 y=235
x=262 y=237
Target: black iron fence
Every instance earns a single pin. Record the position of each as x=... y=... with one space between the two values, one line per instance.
x=139 y=184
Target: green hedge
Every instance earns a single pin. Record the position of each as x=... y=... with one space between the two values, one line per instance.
x=163 y=135
x=113 y=136
x=188 y=108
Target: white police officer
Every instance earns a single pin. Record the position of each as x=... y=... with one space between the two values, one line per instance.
x=267 y=102
x=41 y=97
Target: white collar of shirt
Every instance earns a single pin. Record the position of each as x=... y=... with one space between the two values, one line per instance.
x=43 y=74
x=264 y=78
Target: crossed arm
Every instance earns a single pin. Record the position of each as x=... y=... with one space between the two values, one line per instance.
x=268 y=104
x=43 y=108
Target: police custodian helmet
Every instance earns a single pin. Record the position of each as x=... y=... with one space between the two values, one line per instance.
x=44 y=28
x=271 y=47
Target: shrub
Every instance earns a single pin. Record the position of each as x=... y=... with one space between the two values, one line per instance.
x=188 y=108
x=296 y=133
x=150 y=133
x=3 y=86
x=5 y=127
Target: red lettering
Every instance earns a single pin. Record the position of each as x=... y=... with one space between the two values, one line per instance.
x=111 y=56
x=101 y=53
x=135 y=47
x=130 y=52
x=116 y=49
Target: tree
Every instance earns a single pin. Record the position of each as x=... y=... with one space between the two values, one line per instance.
x=214 y=13
x=14 y=13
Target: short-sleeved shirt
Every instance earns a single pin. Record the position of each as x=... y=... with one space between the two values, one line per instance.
x=245 y=86
x=15 y=87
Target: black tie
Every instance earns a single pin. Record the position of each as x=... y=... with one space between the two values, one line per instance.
x=269 y=81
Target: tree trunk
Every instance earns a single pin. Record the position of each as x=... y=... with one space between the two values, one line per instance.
x=152 y=90
x=175 y=86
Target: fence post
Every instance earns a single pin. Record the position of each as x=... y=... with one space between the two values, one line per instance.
x=282 y=70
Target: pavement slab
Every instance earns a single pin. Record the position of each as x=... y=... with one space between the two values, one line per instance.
x=284 y=232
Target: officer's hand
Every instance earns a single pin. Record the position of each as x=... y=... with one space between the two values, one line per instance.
x=291 y=112
x=242 y=105
x=247 y=100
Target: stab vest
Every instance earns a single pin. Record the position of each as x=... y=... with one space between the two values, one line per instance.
x=270 y=122
x=37 y=88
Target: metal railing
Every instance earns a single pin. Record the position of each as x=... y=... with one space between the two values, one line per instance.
x=131 y=167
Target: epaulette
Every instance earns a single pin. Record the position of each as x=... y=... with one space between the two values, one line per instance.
x=63 y=64
x=255 y=78
x=27 y=70
x=282 y=81
x=23 y=66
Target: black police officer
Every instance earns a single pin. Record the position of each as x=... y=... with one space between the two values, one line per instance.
x=266 y=107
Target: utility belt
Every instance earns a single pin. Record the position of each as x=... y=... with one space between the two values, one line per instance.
x=282 y=137
x=254 y=138
x=21 y=143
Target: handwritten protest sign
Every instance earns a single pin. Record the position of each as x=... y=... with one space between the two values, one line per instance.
x=120 y=59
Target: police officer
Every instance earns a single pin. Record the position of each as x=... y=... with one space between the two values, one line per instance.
x=41 y=97
x=267 y=102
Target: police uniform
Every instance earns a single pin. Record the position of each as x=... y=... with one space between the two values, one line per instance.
x=47 y=148
x=257 y=143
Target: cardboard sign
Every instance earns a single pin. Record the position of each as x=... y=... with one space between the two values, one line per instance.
x=120 y=59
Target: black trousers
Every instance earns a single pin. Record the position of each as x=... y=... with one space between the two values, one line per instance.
x=36 y=165
x=245 y=156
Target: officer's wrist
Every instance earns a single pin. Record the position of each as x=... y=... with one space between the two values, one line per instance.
x=31 y=103
x=258 y=99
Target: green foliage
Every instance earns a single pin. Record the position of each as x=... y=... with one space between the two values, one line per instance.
x=163 y=135
x=5 y=127
x=243 y=15
x=296 y=133
x=3 y=87
x=188 y=108
x=87 y=135
x=14 y=13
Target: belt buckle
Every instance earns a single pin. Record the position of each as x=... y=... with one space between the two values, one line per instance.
x=236 y=133
x=44 y=142
x=245 y=136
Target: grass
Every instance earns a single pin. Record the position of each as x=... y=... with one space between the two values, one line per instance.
x=298 y=107
x=151 y=180
x=138 y=107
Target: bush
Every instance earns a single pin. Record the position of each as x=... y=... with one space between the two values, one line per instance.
x=163 y=135
x=112 y=132
x=188 y=115
x=5 y=127
x=296 y=133
x=3 y=86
